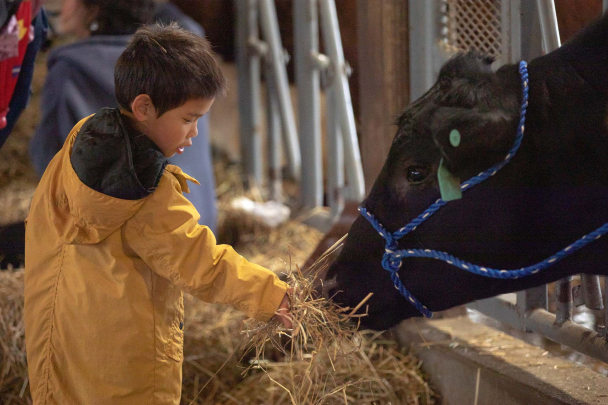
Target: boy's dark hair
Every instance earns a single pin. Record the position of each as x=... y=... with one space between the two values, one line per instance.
x=170 y=65
x=120 y=17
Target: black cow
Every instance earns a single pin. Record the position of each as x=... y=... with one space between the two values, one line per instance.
x=552 y=192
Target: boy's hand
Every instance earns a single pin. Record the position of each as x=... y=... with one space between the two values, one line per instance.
x=283 y=312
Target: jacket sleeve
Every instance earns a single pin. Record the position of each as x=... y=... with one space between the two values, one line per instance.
x=165 y=233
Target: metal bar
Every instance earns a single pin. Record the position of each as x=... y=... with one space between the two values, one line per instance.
x=274 y=138
x=514 y=30
x=335 y=158
x=571 y=334
x=423 y=36
x=306 y=44
x=501 y=308
x=563 y=297
x=540 y=321
x=592 y=294
x=344 y=105
x=505 y=29
x=248 y=63
x=548 y=25
x=270 y=29
x=533 y=298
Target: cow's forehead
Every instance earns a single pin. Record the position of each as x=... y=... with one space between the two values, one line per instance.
x=414 y=109
x=414 y=141
x=413 y=123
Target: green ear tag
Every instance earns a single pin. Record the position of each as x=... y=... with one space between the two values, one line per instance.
x=455 y=138
x=449 y=185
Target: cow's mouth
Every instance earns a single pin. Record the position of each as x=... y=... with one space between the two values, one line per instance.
x=383 y=310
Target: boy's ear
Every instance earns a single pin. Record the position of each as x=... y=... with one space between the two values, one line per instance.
x=142 y=108
x=470 y=139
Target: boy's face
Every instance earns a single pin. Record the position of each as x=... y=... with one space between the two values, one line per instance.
x=173 y=131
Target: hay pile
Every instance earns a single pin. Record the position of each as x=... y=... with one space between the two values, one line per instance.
x=211 y=343
x=325 y=359
x=378 y=372
x=15 y=201
x=13 y=365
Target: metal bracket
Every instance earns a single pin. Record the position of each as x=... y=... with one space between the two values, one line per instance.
x=258 y=47
x=324 y=65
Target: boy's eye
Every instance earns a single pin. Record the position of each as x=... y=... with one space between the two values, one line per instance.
x=187 y=121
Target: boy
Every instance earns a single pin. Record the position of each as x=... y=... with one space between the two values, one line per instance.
x=111 y=242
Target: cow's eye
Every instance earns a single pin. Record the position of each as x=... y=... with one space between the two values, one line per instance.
x=416 y=174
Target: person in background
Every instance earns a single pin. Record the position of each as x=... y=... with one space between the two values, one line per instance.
x=80 y=81
x=18 y=49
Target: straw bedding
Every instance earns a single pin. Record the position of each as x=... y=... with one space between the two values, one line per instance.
x=13 y=366
x=324 y=358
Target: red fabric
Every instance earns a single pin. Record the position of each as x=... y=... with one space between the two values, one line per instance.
x=36 y=5
x=10 y=68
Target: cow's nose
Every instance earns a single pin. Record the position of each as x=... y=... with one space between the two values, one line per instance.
x=329 y=287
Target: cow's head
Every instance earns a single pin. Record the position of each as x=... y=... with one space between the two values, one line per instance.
x=503 y=223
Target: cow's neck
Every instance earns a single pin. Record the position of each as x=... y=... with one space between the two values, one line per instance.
x=587 y=53
x=566 y=122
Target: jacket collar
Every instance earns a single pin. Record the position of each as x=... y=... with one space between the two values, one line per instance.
x=113 y=158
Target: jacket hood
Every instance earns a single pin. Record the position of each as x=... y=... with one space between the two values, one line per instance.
x=111 y=157
x=108 y=171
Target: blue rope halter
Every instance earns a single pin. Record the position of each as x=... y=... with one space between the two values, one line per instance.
x=392 y=259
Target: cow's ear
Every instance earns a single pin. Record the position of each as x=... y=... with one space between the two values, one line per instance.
x=472 y=140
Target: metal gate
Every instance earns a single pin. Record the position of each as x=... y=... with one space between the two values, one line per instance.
x=302 y=144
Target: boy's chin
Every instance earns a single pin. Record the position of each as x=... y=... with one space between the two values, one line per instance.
x=173 y=152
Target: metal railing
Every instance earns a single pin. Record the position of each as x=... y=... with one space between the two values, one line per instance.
x=526 y=310
x=303 y=146
x=251 y=50
x=529 y=312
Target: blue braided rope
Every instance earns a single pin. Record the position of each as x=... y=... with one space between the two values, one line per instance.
x=392 y=258
x=505 y=274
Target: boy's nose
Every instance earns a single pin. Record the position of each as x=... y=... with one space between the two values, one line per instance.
x=194 y=132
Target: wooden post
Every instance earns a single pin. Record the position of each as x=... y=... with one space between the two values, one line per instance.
x=383 y=38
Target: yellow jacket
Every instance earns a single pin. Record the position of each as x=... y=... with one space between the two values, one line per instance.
x=103 y=288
